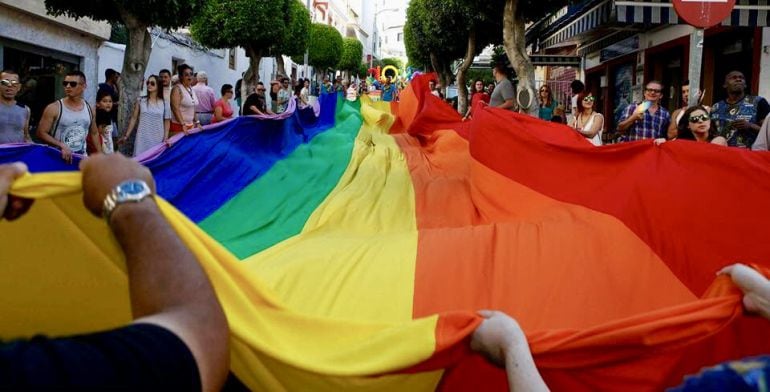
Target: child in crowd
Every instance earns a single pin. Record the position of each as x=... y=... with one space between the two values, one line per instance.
x=104 y=120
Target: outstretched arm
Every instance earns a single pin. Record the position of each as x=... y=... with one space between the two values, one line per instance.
x=502 y=341
x=167 y=286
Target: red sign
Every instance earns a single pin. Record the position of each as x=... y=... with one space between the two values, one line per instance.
x=703 y=13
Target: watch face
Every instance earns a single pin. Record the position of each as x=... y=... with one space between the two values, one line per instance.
x=132 y=189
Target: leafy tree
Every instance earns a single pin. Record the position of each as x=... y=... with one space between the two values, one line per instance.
x=296 y=38
x=452 y=29
x=352 y=53
x=324 y=47
x=516 y=14
x=118 y=34
x=137 y=16
x=416 y=48
x=254 y=25
x=362 y=70
x=396 y=62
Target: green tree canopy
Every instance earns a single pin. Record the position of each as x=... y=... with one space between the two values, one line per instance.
x=324 y=47
x=297 y=34
x=352 y=53
x=396 y=62
x=255 y=25
x=166 y=14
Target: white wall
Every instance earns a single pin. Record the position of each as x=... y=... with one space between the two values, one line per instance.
x=215 y=62
x=41 y=32
x=764 y=64
x=663 y=35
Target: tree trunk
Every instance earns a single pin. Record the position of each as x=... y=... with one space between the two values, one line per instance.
x=281 y=66
x=135 y=60
x=436 y=68
x=462 y=70
x=515 y=48
x=251 y=76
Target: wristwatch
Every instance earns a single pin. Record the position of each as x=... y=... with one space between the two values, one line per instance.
x=130 y=191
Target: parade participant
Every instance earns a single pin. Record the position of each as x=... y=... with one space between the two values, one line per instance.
x=165 y=79
x=284 y=95
x=14 y=116
x=647 y=120
x=547 y=103
x=68 y=122
x=696 y=125
x=304 y=94
x=676 y=116
x=179 y=337
x=326 y=86
x=576 y=87
x=112 y=87
x=388 y=90
x=588 y=122
x=477 y=95
x=352 y=93
x=183 y=101
x=204 y=108
x=104 y=121
x=433 y=88
x=256 y=103
x=222 y=109
x=763 y=138
x=503 y=95
x=738 y=117
x=153 y=123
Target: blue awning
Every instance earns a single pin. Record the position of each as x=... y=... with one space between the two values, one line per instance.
x=747 y=13
x=588 y=20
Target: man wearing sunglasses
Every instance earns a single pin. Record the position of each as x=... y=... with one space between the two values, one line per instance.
x=14 y=117
x=647 y=120
x=739 y=116
x=68 y=123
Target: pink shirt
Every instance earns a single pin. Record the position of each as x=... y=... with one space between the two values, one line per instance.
x=227 y=111
x=206 y=98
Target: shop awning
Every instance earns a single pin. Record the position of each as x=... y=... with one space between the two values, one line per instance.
x=747 y=13
x=581 y=23
x=595 y=19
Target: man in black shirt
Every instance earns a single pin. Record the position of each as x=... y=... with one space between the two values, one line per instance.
x=256 y=103
x=179 y=337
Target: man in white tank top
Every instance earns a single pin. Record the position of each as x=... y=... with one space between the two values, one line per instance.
x=69 y=122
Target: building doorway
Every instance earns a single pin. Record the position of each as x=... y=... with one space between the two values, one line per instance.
x=41 y=72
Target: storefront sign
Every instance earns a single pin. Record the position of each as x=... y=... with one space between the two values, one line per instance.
x=626 y=46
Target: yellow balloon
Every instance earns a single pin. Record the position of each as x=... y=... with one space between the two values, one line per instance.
x=385 y=70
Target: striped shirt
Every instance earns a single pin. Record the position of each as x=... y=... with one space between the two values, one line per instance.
x=653 y=126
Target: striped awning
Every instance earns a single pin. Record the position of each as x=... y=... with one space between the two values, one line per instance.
x=591 y=19
x=747 y=13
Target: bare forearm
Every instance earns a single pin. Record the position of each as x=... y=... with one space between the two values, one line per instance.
x=626 y=124
x=506 y=105
x=48 y=139
x=163 y=273
x=521 y=370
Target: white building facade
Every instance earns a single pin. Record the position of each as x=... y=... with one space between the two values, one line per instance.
x=43 y=48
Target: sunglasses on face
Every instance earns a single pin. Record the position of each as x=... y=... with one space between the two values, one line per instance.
x=9 y=83
x=697 y=119
x=653 y=90
x=151 y=83
x=589 y=99
x=543 y=90
x=187 y=74
x=69 y=83
x=260 y=89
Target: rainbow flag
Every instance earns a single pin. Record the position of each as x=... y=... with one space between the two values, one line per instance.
x=351 y=247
